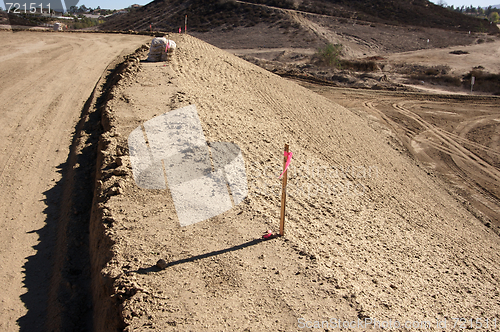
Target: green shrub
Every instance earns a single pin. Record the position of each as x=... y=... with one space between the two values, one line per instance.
x=330 y=55
x=494 y=17
x=84 y=23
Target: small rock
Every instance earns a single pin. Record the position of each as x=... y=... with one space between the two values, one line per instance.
x=115 y=191
x=120 y=171
x=161 y=264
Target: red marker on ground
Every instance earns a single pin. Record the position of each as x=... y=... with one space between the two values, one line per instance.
x=268 y=234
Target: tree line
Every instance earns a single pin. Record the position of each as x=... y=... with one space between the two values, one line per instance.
x=491 y=13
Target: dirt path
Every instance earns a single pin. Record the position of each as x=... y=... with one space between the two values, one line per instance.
x=45 y=80
x=359 y=39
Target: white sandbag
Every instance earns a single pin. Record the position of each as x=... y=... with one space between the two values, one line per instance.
x=161 y=48
x=171 y=45
x=168 y=50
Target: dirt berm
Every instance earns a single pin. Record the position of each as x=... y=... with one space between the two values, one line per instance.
x=369 y=234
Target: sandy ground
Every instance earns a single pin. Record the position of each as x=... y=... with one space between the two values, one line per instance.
x=370 y=233
x=45 y=80
x=485 y=55
x=359 y=39
x=394 y=69
x=22 y=27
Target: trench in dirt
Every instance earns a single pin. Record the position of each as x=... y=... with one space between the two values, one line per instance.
x=72 y=297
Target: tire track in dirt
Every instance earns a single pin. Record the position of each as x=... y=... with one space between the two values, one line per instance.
x=19 y=93
x=387 y=122
x=466 y=126
x=208 y=105
x=325 y=33
x=454 y=144
x=459 y=151
x=271 y=104
x=450 y=140
x=455 y=137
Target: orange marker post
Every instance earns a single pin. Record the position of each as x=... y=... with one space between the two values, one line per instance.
x=283 y=193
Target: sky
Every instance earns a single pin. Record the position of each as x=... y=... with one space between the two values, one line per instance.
x=118 y=4
x=114 y=4
x=467 y=3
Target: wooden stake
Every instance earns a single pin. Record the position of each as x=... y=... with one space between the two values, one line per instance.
x=283 y=194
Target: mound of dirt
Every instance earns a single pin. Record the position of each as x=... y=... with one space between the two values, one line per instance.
x=459 y=52
x=369 y=234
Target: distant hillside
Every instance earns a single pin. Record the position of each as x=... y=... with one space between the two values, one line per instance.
x=203 y=15
x=400 y=12
x=12 y=19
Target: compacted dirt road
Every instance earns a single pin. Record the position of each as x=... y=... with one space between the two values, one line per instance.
x=45 y=80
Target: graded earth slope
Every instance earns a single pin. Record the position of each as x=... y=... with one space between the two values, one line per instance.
x=369 y=234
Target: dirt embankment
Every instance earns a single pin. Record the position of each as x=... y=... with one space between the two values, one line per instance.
x=369 y=233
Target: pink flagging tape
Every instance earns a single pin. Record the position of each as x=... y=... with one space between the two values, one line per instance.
x=167 y=46
x=288 y=156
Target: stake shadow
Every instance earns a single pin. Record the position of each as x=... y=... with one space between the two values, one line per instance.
x=155 y=268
